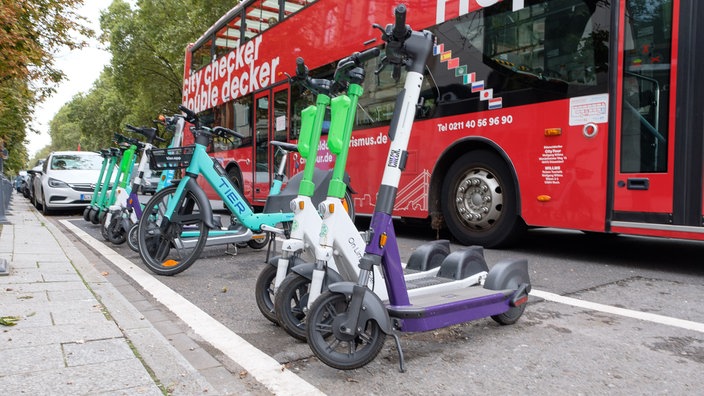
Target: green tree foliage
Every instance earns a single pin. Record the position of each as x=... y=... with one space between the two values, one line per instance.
x=145 y=78
x=31 y=32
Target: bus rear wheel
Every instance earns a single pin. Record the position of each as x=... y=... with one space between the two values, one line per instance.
x=479 y=201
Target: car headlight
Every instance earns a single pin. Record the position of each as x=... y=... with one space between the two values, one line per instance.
x=57 y=183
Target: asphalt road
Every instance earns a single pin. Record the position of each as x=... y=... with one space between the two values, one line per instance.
x=645 y=337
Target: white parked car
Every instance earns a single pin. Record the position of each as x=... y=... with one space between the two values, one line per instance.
x=67 y=180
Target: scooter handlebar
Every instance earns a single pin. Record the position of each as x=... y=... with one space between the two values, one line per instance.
x=361 y=57
x=301 y=68
x=400 y=30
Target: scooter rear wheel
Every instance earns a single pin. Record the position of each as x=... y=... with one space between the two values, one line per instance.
x=511 y=316
x=132 y=238
x=330 y=344
x=289 y=304
x=162 y=246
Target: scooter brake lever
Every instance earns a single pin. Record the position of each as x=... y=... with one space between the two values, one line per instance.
x=382 y=65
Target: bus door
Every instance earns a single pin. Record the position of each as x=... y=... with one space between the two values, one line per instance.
x=272 y=120
x=645 y=134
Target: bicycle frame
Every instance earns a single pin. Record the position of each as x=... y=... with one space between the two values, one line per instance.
x=215 y=175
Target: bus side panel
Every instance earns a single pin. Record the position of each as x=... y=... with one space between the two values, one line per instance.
x=569 y=169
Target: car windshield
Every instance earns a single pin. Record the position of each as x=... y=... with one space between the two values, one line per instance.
x=76 y=161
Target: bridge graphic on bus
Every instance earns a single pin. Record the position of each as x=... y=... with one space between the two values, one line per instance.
x=413 y=196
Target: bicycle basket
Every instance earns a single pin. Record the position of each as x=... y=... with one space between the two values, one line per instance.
x=170 y=158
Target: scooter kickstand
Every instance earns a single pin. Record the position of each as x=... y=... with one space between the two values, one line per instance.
x=227 y=249
x=401 y=361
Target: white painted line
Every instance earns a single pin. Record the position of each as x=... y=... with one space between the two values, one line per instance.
x=665 y=320
x=261 y=366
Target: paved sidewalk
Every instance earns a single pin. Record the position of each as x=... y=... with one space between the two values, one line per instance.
x=75 y=333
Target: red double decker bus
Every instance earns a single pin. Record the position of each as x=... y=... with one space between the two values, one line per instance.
x=577 y=114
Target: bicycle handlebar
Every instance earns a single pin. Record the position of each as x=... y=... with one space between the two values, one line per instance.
x=190 y=115
x=223 y=132
x=290 y=147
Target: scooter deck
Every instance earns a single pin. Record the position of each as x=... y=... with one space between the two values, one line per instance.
x=433 y=311
x=426 y=282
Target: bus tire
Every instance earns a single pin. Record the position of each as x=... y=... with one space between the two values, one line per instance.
x=479 y=201
x=236 y=179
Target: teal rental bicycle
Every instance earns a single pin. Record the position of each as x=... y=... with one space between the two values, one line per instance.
x=178 y=220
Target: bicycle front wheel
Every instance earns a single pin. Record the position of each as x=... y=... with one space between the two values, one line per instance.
x=169 y=247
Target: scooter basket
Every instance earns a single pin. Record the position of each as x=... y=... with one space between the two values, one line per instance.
x=170 y=158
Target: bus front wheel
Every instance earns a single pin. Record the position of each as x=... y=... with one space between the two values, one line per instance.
x=479 y=201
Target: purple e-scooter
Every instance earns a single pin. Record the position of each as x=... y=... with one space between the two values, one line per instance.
x=347 y=324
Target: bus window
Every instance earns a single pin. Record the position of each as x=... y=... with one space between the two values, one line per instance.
x=527 y=56
x=242 y=122
x=281 y=115
x=376 y=106
x=262 y=140
x=235 y=116
x=300 y=99
x=645 y=119
x=261 y=15
x=228 y=37
x=201 y=55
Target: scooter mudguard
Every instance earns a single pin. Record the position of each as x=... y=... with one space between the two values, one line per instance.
x=463 y=263
x=321 y=180
x=292 y=262
x=306 y=270
x=126 y=224
x=429 y=255
x=510 y=274
x=374 y=308
x=206 y=211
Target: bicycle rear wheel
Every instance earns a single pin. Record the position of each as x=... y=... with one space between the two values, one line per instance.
x=162 y=244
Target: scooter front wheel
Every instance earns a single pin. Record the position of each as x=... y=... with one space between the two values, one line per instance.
x=264 y=292
x=333 y=347
x=290 y=303
x=116 y=234
x=103 y=229
x=170 y=246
